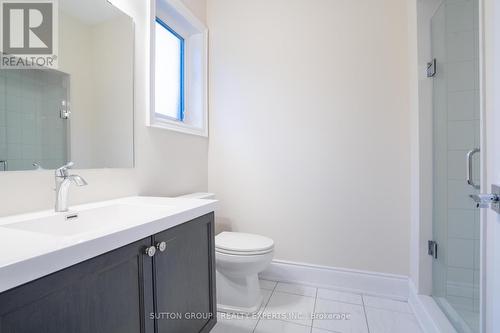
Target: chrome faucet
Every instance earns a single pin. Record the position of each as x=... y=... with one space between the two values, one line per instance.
x=63 y=180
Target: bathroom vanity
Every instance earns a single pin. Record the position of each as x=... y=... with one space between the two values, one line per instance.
x=129 y=265
x=150 y=269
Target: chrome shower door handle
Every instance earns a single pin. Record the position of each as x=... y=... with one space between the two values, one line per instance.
x=470 y=179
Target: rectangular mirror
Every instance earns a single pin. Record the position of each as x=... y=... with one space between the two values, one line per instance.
x=81 y=112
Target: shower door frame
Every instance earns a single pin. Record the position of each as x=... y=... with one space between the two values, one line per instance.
x=440 y=292
x=428 y=312
x=490 y=232
x=489 y=68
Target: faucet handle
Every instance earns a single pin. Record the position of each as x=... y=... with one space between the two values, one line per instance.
x=63 y=171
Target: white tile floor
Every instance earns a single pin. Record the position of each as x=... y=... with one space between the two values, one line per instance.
x=289 y=308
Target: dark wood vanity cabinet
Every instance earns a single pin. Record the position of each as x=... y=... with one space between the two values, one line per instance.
x=125 y=290
x=185 y=277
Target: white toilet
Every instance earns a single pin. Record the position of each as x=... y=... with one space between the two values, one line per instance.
x=239 y=258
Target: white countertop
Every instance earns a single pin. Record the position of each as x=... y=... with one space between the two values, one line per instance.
x=28 y=255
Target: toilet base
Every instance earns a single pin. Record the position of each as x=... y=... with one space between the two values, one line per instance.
x=238 y=294
x=236 y=310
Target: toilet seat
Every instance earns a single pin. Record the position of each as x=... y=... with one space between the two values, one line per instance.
x=242 y=244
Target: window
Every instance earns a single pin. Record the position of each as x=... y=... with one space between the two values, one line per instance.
x=178 y=69
x=169 y=78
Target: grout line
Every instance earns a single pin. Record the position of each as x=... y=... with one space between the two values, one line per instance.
x=297 y=324
x=378 y=307
x=343 y=302
x=264 y=306
x=314 y=310
x=388 y=310
x=295 y=294
x=272 y=293
x=364 y=311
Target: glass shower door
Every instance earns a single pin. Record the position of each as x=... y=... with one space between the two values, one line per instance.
x=456 y=133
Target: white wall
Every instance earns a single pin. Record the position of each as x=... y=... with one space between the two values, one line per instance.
x=113 y=125
x=167 y=163
x=309 y=126
x=74 y=59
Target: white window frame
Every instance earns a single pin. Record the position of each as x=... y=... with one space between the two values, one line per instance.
x=179 y=18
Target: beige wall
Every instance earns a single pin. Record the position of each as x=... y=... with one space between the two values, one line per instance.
x=167 y=163
x=75 y=59
x=113 y=125
x=310 y=122
x=99 y=80
x=198 y=7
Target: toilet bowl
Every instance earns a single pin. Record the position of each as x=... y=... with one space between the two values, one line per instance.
x=240 y=257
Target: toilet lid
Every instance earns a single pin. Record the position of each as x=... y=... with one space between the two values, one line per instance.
x=238 y=242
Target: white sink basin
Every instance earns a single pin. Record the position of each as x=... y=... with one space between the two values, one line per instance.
x=95 y=220
x=40 y=243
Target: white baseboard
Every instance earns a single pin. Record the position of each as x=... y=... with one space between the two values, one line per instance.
x=363 y=282
x=428 y=313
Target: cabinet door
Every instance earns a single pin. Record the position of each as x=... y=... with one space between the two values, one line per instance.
x=109 y=293
x=185 y=278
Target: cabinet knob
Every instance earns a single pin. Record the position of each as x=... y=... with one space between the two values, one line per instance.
x=162 y=246
x=150 y=251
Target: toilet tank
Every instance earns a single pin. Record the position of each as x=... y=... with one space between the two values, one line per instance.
x=198 y=195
